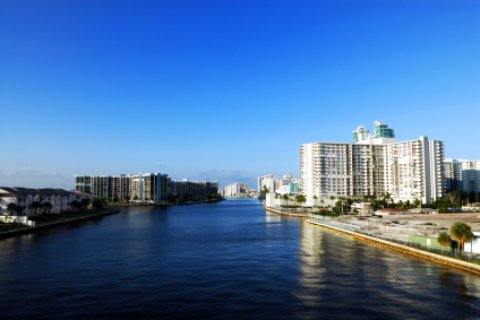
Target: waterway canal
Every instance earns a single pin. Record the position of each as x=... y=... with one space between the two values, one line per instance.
x=217 y=261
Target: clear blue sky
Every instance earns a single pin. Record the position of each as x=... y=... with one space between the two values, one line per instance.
x=226 y=90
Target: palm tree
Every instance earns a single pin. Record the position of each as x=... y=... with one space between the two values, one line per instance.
x=339 y=205
x=98 y=203
x=19 y=210
x=444 y=239
x=35 y=206
x=386 y=197
x=11 y=208
x=375 y=204
x=461 y=232
x=300 y=198
x=85 y=203
x=47 y=206
x=75 y=205
x=417 y=203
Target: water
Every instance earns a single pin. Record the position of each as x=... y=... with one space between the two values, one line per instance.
x=226 y=260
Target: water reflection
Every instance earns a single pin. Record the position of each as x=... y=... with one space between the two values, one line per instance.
x=226 y=260
x=342 y=274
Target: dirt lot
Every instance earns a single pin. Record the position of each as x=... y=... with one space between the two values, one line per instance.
x=400 y=227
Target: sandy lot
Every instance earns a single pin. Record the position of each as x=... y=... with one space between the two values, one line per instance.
x=400 y=227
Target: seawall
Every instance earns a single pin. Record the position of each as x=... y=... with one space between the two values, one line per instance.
x=455 y=263
x=43 y=226
x=286 y=212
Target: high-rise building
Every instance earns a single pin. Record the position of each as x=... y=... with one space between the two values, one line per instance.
x=235 y=190
x=150 y=187
x=371 y=166
x=462 y=175
x=288 y=184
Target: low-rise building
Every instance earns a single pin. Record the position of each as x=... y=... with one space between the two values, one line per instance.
x=26 y=198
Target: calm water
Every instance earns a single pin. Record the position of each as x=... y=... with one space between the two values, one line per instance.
x=226 y=260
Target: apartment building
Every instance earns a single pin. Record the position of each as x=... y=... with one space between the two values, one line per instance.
x=149 y=187
x=462 y=175
x=288 y=184
x=59 y=199
x=193 y=190
x=234 y=190
x=373 y=165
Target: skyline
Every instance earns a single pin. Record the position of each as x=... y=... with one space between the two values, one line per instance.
x=226 y=90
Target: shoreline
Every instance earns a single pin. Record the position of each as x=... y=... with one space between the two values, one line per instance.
x=422 y=254
x=161 y=205
x=440 y=259
x=106 y=212
x=27 y=230
x=286 y=212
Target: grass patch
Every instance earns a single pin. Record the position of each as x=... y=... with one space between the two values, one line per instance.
x=5 y=227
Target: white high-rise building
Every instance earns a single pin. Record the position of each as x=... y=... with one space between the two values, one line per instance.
x=288 y=184
x=268 y=181
x=407 y=170
x=234 y=190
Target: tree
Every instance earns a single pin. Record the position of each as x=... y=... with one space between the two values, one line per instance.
x=401 y=205
x=19 y=210
x=375 y=204
x=75 y=205
x=35 y=206
x=444 y=239
x=11 y=208
x=300 y=198
x=417 y=203
x=47 y=206
x=98 y=203
x=285 y=197
x=455 y=198
x=339 y=206
x=387 y=197
x=85 y=202
x=461 y=232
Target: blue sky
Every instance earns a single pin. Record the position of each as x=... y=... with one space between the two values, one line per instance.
x=226 y=90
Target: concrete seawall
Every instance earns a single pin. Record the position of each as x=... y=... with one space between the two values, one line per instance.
x=27 y=230
x=459 y=264
x=286 y=212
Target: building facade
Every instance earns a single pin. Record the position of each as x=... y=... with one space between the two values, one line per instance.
x=149 y=187
x=462 y=175
x=25 y=198
x=235 y=190
x=288 y=184
x=371 y=166
x=153 y=188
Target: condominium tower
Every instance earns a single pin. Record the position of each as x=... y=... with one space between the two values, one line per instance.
x=151 y=187
x=373 y=165
x=462 y=175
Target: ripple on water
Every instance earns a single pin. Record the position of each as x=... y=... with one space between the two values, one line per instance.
x=217 y=261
